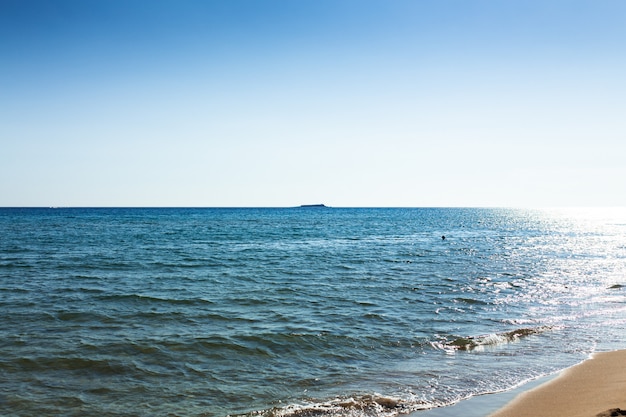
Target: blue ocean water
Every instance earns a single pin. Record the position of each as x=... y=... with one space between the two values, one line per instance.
x=297 y=311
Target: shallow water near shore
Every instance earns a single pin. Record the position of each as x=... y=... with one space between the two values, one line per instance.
x=298 y=311
x=485 y=404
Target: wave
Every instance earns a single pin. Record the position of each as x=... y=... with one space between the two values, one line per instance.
x=374 y=405
x=492 y=339
x=84 y=365
x=138 y=298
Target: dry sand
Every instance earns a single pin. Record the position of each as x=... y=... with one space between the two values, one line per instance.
x=596 y=387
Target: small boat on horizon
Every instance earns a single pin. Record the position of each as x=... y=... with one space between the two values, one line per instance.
x=313 y=206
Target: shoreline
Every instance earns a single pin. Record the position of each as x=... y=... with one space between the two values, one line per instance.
x=591 y=388
x=485 y=404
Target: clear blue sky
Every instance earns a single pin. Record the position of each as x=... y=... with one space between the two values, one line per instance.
x=343 y=102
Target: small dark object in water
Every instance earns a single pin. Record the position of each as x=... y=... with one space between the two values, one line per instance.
x=443 y=238
x=616 y=286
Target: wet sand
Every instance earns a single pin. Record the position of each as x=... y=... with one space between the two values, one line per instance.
x=596 y=387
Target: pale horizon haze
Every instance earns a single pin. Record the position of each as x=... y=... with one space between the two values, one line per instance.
x=372 y=103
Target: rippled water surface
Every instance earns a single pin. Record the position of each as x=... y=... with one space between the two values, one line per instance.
x=305 y=311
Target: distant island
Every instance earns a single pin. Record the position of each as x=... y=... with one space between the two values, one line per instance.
x=313 y=206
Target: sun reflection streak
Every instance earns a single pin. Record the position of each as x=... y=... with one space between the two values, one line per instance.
x=601 y=215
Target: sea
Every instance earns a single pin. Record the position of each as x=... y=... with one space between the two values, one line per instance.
x=300 y=311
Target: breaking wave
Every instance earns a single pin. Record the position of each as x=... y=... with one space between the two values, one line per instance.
x=476 y=342
x=375 y=405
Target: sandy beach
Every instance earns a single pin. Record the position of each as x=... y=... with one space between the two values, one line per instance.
x=596 y=387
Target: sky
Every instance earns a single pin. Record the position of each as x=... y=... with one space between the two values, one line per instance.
x=277 y=103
